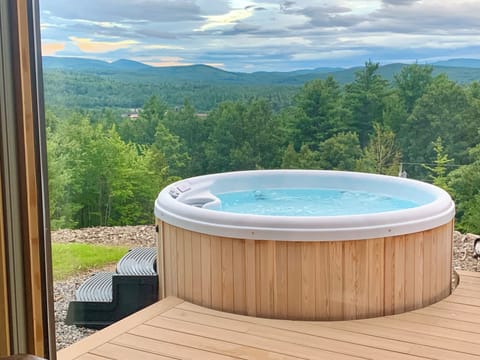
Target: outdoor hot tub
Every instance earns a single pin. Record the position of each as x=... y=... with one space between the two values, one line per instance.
x=327 y=253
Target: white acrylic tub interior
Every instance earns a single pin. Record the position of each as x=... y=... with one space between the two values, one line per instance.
x=188 y=204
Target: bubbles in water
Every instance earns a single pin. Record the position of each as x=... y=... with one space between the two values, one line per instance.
x=309 y=202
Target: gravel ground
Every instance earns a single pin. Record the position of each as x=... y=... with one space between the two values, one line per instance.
x=138 y=236
x=64 y=291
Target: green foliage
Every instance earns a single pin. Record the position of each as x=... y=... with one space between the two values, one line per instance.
x=364 y=99
x=464 y=185
x=439 y=171
x=412 y=82
x=304 y=159
x=170 y=146
x=381 y=155
x=94 y=90
x=340 y=152
x=95 y=178
x=443 y=111
x=321 y=114
x=69 y=259
x=142 y=130
x=106 y=169
x=243 y=136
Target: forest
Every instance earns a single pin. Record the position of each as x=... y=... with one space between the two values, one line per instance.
x=106 y=169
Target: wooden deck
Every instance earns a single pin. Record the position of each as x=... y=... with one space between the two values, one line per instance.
x=175 y=329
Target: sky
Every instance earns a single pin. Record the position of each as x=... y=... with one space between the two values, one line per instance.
x=247 y=36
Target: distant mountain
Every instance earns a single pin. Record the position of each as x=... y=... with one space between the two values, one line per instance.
x=75 y=64
x=459 y=63
x=125 y=64
x=460 y=70
x=91 y=65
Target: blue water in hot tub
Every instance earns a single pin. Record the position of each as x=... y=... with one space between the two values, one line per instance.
x=310 y=202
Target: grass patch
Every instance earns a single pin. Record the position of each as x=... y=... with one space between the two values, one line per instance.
x=69 y=259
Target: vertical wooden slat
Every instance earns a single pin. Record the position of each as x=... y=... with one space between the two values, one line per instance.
x=449 y=246
x=160 y=258
x=419 y=259
x=361 y=278
x=294 y=278
x=216 y=272
x=445 y=277
x=376 y=276
x=322 y=280
x=173 y=260
x=335 y=290
x=335 y=280
x=239 y=276
x=308 y=281
x=445 y=289
x=250 y=278
x=267 y=277
x=196 y=268
x=188 y=263
x=206 y=270
x=349 y=279
x=281 y=291
x=438 y=256
x=399 y=269
x=410 y=271
x=389 y=289
x=427 y=267
x=258 y=279
x=180 y=263
x=227 y=274
x=167 y=263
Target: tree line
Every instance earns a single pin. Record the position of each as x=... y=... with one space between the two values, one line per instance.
x=105 y=169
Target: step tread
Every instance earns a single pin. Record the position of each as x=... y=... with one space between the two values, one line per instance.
x=138 y=261
x=97 y=288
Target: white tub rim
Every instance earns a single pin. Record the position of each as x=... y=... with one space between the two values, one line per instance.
x=304 y=228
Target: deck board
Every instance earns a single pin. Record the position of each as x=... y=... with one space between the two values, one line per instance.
x=175 y=329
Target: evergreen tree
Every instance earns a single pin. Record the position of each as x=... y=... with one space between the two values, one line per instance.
x=142 y=130
x=340 y=152
x=322 y=115
x=381 y=155
x=412 y=82
x=364 y=98
x=439 y=171
x=443 y=111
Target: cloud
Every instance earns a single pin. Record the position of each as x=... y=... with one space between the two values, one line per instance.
x=399 y=2
x=331 y=16
x=163 y=47
x=51 y=48
x=335 y=54
x=242 y=28
x=168 y=61
x=91 y=46
x=428 y=15
x=102 y=24
x=217 y=65
x=106 y=10
x=232 y=17
x=270 y=34
x=287 y=5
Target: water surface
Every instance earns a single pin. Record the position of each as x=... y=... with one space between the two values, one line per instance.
x=310 y=202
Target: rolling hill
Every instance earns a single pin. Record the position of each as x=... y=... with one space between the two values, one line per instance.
x=460 y=70
x=88 y=83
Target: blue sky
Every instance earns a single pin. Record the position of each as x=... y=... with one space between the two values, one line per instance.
x=248 y=36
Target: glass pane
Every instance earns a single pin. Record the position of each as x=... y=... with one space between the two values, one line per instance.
x=141 y=95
